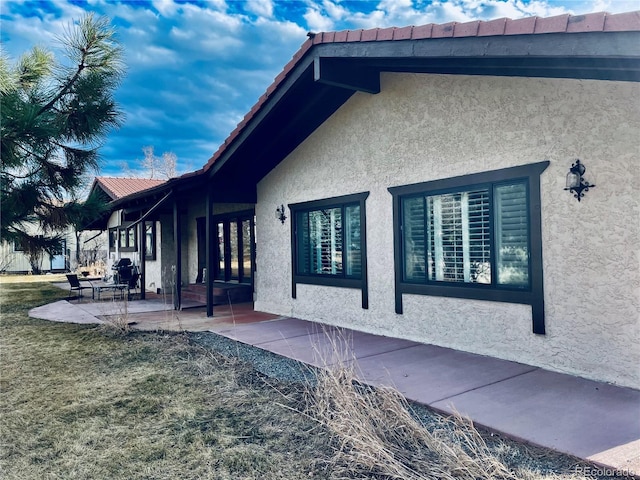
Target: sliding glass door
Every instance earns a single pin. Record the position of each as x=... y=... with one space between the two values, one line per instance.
x=235 y=248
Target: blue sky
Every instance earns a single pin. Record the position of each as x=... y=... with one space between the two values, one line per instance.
x=194 y=68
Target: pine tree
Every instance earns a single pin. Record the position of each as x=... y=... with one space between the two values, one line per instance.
x=54 y=118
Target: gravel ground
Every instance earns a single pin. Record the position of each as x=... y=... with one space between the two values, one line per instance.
x=514 y=454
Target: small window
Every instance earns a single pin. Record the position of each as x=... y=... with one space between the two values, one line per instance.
x=328 y=243
x=150 y=240
x=113 y=239
x=475 y=236
x=127 y=237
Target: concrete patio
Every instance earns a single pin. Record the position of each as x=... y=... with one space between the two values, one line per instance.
x=591 y=420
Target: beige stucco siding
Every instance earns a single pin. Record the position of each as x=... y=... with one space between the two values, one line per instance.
x=427 y=127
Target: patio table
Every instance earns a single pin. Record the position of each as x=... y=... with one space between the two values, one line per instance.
x=100 y=286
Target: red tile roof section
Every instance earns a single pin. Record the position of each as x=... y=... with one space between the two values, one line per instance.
x=591 y=22
x=117 y=187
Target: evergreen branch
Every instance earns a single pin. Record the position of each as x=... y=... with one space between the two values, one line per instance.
x=64 y=90
x=92 y=41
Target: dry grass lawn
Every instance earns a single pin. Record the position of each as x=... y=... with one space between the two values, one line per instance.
x=79 y=402
x=87 y=402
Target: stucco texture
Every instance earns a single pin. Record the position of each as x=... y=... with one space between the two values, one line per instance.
x=428 y=127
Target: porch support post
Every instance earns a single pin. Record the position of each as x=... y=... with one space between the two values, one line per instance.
x=211 y=238
x=142 y=240
x=177 y=243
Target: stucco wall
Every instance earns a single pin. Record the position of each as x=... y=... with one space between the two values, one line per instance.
x=153 y=268
x=427 y=127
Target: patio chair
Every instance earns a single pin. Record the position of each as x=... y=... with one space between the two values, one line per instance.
x=74 y=284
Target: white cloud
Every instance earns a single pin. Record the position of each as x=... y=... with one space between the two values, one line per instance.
x=262 y=8
x=444 y=12
x=284 y=31
x=323 y=17
x=203 y=20
x=139 y=33
x=611 y=6
x=136 y=17
x=142 y=117
x=540 y=8
x=335 y=11
x=166 y=8
x=152 y=55
x=318 y=22
x=223 y=47
x=334 y=16
x=181 y=34
x=204 y=34
x=498 y=9
x=397 y=8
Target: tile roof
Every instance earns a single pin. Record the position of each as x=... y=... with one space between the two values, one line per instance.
x=569 y=24
x=591 y=22
x=117 y=187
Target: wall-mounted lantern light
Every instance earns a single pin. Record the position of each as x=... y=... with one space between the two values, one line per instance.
x=280 y=214
x=575 y=182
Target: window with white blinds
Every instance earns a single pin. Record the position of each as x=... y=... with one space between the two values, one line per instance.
x=477 y=236
x=329 y=245
x=329 y=241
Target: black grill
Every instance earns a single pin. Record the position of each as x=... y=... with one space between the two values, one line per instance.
x=123 y=270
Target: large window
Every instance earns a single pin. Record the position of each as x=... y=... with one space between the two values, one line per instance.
x=476 y=236
x=328 y=243
x=447 y=237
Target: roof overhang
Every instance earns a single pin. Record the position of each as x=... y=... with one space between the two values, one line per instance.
x=323 y=76
x=326 y=77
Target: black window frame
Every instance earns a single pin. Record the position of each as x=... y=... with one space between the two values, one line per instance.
x=532 y=295
x=334 y=280
x=113 y=238
x=127 y=247
x=150 y=250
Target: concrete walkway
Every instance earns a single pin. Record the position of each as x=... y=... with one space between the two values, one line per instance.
x=591 y=420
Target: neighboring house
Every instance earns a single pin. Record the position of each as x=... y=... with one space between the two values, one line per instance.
x=14 y=260
x=411 y=182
